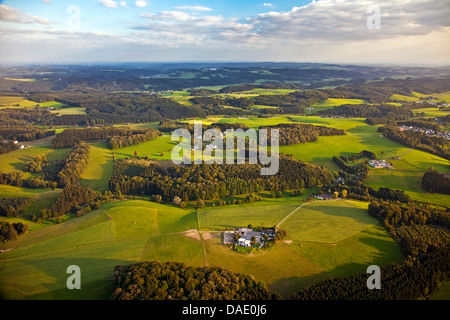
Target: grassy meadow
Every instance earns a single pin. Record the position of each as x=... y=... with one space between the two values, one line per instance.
x=128 y=231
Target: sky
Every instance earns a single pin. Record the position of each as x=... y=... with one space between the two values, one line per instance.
x=402 y=32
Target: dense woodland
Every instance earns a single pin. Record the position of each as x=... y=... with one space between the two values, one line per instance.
x=370 y=111
x=433 y=181
x=135 y=137
x=417 y=140
x=215 y=181
x=176 y=281
x=295 y=133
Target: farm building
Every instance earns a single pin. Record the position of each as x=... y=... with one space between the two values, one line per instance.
x=246 y=235
x=379 y=163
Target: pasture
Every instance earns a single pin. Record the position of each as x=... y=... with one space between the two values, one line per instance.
x=123 y=232
x=118 y=233
x=100 y=167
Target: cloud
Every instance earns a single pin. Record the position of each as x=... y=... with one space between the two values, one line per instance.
x=123 y=4
x=193 y=8
x=47 y=1
x=10 y=14
x=271 y=5
x=347 y=20
x=140 y=3
x=109 y=3
x=177 y=28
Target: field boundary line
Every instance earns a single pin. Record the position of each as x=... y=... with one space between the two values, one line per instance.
x=289 y=215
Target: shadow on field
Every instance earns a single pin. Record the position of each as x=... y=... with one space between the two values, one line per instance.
x=287 y=286
x=96 y=278
x=355 y=213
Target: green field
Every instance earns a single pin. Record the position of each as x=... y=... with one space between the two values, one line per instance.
x=99 y=169
x=119 y=233
x=261 y=213
x=69 y=111
x=158 y=149
x=407 y=174
x=129 y=231
x=17 y=160
x=331 y=103
x=16 y=102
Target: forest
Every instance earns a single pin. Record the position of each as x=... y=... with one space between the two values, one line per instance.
x=370 y=111
x=176 y=281
x=206 y=182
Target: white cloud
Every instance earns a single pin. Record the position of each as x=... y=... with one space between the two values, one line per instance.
x=347 y=20
x=268 y=4
x=123 y=4
x=193 y=8
x=47 y=1
x=109 y=3
x=140 y=3
x=10 y=14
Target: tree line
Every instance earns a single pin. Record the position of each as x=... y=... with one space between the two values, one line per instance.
x=136 y=137
x=176 y=281
x=24 y=133
x=76 y=162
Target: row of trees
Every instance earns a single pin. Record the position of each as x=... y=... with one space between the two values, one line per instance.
x=370 y=111
x=24 y=133
x=76 y=162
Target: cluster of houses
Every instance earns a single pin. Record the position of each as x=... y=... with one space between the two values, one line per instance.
x=245 y=236
x=380 y=164
x=428 y=132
